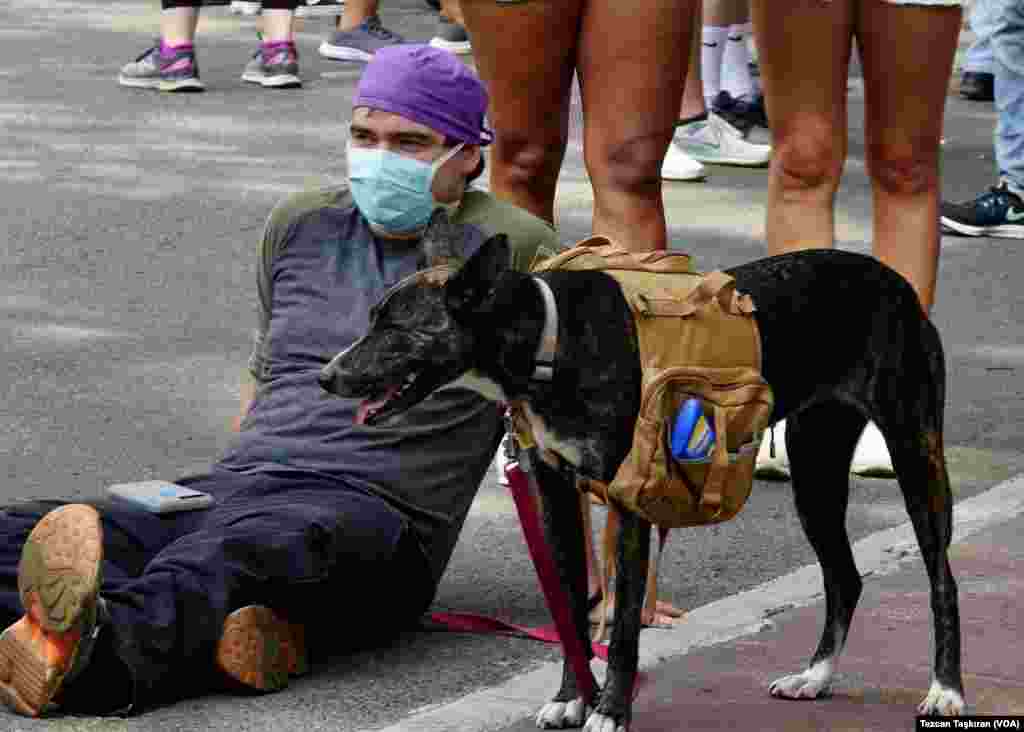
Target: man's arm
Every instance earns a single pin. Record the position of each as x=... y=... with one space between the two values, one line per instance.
x=248 y=393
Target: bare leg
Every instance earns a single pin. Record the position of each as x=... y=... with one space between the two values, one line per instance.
x=693 y=90
x=804 y=56
x=905 y=100
x=632 y=66
x=178 y=25
x=355 y=12
x=278 y=24
x=525 y=53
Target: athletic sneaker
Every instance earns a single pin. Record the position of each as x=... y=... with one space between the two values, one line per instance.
x=978 y=86
x=997 y=213
x=680 y=166
x=305 y=9
x=502 y=460
x=260 y=650
x=361 y=43
x=741 y=113
x=772 y=459
x=712 y=140
x=451 y=37
x=152 y=70
x=59 y=578
x=872 y=458
x=274 y=66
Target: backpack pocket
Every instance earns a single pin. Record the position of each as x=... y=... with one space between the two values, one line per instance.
x=673 y=493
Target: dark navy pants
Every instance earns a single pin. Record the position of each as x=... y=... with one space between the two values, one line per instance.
x=339 y=560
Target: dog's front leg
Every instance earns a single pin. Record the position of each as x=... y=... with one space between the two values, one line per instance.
x=614 y=711
x=563 y=526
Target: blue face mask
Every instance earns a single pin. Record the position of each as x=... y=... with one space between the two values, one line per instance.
x=392 y=191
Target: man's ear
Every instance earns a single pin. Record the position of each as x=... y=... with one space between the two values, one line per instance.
x=441 y=239
x=470 y=287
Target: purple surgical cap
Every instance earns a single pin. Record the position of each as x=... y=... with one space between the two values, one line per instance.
x=427 y=85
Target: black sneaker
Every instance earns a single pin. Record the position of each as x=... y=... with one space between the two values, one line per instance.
x=451 y=37
x=997 y=213
x=978 y=86
x=742 y=114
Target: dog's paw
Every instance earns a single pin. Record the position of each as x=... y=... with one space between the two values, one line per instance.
x=941 y=701
x=810 y=684
x=559 y=715
x=598 y=722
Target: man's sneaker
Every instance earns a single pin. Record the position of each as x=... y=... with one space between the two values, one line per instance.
x=680 y=166
x=772 y=458
x=305 y=9
x=151 y=70
x=743 y=114
x=246 y=7
x=451 y=37
x=274 y=66
x=711 y=140
x=360 y=43
x=998 y=213
x=59 y=578
x=978 y=86
x=260 y=650
x=872 y=458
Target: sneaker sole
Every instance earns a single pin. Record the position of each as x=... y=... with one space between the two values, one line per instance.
x=280 y=81
x=726 y=160
x=1004 y=231
x=59 y=576
x=692 y=176
x=343 y=53
x=184 y=85
x=459 y=47
x=259 y=650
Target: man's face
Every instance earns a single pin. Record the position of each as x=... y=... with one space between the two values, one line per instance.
x=377 y=129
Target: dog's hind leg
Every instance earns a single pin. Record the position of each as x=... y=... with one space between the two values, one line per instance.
x=912 y=425
x=563 y=526
x=820 y=441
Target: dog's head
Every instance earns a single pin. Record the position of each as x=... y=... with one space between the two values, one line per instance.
x=421 y=335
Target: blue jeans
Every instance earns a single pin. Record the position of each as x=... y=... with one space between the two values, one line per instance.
x=310 y=547
x=982 y=20
x=1008 y=50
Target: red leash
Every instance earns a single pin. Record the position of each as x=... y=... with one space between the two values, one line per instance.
x=563 y=631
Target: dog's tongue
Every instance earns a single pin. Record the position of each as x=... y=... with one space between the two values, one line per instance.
x=367 y=406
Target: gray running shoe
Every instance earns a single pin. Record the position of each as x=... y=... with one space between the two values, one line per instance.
x=451 y=37
x=361 y=43
x=279 y=71
x=171 y=74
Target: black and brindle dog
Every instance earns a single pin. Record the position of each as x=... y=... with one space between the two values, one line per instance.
x=844 y=340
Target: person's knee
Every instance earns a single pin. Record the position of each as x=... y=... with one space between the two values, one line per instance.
x=905 y=168
x=526 y=159
x=632 y=165
x=809 y=159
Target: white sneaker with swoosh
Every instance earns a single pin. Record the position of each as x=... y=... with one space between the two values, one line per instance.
x=714 y=141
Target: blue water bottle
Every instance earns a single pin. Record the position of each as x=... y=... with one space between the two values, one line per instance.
x=693 y=437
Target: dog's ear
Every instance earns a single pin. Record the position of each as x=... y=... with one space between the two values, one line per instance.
x=470 y=287
x=441 y=240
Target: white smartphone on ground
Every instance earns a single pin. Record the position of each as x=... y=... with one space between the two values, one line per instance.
x=160 y=496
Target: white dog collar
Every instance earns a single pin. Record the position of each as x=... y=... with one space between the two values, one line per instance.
x=544 y=360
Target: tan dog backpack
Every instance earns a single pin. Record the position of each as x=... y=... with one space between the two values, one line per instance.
x=697 y=338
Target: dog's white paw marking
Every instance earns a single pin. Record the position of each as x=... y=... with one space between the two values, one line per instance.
x=598 y=722
x=810 y=684
x=941 y=701
x=558 y=715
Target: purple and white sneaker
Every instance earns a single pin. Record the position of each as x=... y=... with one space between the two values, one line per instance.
x=164 y=69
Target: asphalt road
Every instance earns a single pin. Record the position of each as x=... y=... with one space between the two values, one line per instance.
x=127 y=300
